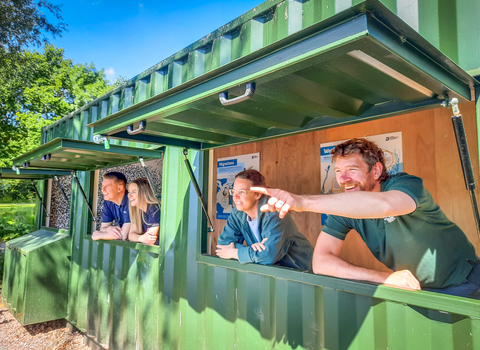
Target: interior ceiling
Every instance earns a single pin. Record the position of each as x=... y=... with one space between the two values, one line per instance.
x=338 y=90
x=361 y=64
x=68 y=154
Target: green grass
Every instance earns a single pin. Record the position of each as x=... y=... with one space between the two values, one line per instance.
x=16 y=220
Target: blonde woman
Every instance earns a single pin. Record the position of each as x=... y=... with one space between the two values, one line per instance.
x=144 y=213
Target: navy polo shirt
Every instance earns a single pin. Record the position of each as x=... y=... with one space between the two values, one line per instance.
x=113 y=212
x=151 y=218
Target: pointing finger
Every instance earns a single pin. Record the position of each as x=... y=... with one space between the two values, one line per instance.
x=284 y=211
x=261 y=190
x=264 y=208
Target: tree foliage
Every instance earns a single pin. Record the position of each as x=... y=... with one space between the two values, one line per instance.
x=37 y=89
x=22 y=23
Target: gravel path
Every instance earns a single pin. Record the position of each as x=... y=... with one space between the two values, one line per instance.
x=46 y=335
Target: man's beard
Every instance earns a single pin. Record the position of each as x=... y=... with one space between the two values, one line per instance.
x=361 y=187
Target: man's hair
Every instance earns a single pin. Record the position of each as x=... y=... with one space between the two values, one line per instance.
x=116 y=176
x=254 y=176
x=369 y=151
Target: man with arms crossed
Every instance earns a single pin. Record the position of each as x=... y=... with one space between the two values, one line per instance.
x=115 y=208
x=395 y=216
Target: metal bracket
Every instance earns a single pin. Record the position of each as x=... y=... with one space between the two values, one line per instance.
x=250 y=90
x=102 y=139
x=452 y=103
x=141 y=128
x=197 y=189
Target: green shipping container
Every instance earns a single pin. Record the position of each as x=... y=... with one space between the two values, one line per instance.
x=36 y=275
x=297 y=67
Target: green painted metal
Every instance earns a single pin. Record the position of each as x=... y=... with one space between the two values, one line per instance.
x=82 y=155
x=177 y=298
x=125 y=295
x=447 y=25
x=31 y=174
x=341 y=69
x=36 y=276
x=477 y=113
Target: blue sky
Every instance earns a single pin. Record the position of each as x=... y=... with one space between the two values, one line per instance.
x=127 y=37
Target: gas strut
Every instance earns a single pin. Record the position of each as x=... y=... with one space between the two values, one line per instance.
x=40 y=198
x=197 y=189
x=461 y=137
x=74 y=173
x=60 y=184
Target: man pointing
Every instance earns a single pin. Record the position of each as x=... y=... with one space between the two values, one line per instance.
x=396 y=217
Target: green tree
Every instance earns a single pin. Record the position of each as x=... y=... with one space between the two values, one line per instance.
x=41 y=88
x=37 y=88
x=22 y=23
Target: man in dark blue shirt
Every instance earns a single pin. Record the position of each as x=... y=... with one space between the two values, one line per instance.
x=115 y=208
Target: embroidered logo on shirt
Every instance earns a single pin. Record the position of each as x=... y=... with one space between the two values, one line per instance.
x=389 y=219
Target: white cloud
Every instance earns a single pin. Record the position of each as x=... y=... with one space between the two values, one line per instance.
x=110 y=74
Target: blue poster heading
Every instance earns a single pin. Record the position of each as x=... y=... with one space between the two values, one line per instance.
x=325 y=151
x=225 y=163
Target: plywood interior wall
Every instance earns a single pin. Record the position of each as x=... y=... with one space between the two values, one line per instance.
x=429 y=151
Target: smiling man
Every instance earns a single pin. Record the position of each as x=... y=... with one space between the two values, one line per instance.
x=395 y=216
x=270 y=240
x=115 y=208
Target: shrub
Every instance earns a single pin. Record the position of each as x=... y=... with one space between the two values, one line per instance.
x=16 y=221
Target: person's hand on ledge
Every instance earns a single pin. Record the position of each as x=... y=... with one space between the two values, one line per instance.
x=227 y=251
x=403 y=279
x=147 y=239
x=258 y=247
x=111 y=233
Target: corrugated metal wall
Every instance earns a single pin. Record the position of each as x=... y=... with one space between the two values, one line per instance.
x=126 y=298
x=450 y=25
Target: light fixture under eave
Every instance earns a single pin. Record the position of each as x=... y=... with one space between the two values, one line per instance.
x=362 y=56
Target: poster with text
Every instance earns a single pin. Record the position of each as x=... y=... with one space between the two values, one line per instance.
x=227 y=168
x=391 y=144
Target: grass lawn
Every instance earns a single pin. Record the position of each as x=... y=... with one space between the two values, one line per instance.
x=16 y=220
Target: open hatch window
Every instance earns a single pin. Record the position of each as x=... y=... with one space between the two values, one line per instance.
x=132 y=172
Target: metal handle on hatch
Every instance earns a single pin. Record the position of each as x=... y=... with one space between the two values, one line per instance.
x=250 y=90
x=141 y=128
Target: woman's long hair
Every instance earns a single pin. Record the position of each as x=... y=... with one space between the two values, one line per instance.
x=144 y=196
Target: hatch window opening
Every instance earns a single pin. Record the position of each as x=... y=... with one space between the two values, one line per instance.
x=136 y=194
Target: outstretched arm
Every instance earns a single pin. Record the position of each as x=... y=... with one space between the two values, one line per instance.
x=108 y=232
x=327 y=262
x=356 y=205
x=149 y=237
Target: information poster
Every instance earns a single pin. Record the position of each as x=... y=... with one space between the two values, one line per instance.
x=227 y=168
x=392 y=148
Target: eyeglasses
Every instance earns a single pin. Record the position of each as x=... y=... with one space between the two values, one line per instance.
x=241 y=193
